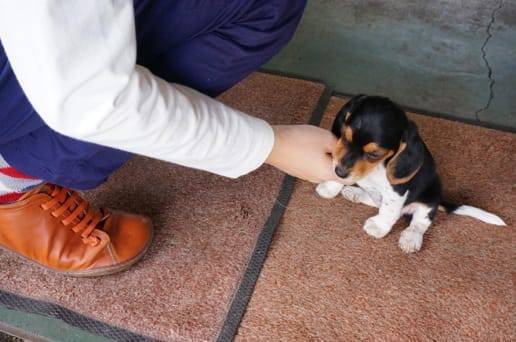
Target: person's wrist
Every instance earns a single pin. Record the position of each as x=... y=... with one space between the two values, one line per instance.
x=272 y=157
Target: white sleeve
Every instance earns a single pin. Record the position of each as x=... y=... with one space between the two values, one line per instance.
x=76 y=62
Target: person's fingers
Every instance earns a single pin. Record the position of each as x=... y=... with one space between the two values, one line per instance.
x=321 y=171
x=329 y=170
x=309 y=152
x=329 y=160
x=329 y=141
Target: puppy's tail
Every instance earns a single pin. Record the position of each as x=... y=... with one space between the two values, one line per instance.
x=466 y=210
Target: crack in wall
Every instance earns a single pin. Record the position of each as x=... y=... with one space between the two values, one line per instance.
x=486 y=62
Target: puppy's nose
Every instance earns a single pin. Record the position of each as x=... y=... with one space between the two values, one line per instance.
x=342 y=172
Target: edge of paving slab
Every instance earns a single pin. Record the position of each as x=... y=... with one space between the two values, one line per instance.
x=439 y=115
x=246 y=288
x=39 y=320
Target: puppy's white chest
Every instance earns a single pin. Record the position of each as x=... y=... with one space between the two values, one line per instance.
x=377 y=185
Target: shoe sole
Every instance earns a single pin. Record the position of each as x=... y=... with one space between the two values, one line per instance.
x=96 y=272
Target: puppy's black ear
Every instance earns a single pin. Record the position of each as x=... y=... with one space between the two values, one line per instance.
x=336 y=129
x=405 y=164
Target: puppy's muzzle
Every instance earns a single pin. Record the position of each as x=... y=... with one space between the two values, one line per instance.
x=341 y=171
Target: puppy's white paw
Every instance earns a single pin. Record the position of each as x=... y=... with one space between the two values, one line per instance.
x=353 y=194
x=375 y=227
x=328 y=189
x=410 y=240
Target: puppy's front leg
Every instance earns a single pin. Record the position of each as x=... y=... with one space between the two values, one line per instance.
x=329 y=189
x=357 y=195
x=411 y=238
x=390 y=211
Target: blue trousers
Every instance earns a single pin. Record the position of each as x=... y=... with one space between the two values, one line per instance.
x=209 y=45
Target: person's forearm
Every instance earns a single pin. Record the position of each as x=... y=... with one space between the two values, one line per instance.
x=75 y=60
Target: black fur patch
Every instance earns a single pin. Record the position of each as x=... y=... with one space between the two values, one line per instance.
x=379 y=120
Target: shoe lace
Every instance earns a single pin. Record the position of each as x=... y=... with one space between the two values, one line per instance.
x=75 y=212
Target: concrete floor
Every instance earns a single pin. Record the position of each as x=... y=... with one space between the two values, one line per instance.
x=431 y=55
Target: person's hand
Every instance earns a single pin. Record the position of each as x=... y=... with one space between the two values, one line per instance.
x=304 y=151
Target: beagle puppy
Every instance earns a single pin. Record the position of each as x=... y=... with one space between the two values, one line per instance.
x=384 y=163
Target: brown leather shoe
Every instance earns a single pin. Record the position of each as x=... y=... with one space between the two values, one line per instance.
x=59 y=230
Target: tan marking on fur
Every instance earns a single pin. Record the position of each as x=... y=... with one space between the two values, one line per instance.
x=371 y=147
x=348 y=114
x=348 y=133
x=363 y=166
x=380 y=151
x=391 y=168
x=339 y=151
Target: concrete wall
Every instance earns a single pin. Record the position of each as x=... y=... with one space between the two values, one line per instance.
x=434 y=55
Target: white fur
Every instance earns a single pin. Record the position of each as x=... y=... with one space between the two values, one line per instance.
x=479 y=214
x=376 y=191
x=411 y=238
x=329 y=189
x=357 y=195
x=376 y=185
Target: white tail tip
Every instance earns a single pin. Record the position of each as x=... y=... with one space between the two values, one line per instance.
x=482 y=215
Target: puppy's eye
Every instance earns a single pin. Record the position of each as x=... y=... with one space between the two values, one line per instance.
x=373 y=155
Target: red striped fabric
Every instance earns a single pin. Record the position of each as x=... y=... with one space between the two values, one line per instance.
x=13 y=183
x=12 y=172
x=11 y=197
